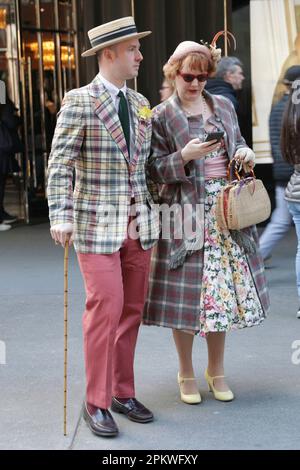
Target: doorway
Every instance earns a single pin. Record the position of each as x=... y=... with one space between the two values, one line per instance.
x=42 y=65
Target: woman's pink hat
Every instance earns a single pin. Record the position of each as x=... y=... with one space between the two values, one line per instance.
x=209 y=50
x=187 y=47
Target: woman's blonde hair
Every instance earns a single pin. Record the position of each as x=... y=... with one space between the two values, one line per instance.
x=195 y=60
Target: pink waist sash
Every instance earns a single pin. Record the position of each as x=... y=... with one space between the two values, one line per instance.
x=216 y=167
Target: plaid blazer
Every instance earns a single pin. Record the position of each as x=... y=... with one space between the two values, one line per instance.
x=89 y=137
x=175 y=280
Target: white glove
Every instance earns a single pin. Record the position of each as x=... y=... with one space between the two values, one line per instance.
x=246 y=157
x=61 y=233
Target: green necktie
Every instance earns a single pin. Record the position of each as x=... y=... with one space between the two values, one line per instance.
x=124 y=118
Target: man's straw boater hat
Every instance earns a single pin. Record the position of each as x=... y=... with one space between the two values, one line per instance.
x=111 y=33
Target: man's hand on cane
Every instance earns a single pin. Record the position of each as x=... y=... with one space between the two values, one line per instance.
x=62 y=233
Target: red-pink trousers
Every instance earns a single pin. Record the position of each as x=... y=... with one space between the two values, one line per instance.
x=116 y=287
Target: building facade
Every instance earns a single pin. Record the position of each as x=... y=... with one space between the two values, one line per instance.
x=41 y=42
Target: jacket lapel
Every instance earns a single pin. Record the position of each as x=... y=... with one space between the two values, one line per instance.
x=140 y=125
x=106 y=112
x=221 y=118
x=178 y=120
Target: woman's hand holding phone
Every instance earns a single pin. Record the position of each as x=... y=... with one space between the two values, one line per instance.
x=195 y=149
x=216 y=135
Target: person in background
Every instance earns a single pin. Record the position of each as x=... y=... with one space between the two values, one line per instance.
x=290 y=148
x=227 y=80
x=166 y=90
x=9 y=121
x=281 y=219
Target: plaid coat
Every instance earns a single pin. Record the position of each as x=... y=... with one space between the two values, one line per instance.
x=89 y=137
x=174 y=290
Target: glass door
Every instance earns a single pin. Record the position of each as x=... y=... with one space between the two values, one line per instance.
x=9 y=82
x=49 y=68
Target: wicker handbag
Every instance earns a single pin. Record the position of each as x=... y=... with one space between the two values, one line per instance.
x=243 y=202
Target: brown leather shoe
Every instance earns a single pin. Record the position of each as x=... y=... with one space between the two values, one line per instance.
x=100 y=422
x=133 y=409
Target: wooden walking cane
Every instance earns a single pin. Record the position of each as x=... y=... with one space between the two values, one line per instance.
x=66 y=259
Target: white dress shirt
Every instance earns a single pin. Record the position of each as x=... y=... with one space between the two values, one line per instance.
x=113 y=90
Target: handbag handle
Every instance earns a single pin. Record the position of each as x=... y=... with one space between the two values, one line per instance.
x=233 y=173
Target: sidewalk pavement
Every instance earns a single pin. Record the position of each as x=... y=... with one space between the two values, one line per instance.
x=259 y=367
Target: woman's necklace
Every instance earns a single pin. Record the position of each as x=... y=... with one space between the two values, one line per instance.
x=195 y=113
x=204 y=106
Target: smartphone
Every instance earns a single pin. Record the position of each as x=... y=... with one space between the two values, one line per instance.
x=214 y=136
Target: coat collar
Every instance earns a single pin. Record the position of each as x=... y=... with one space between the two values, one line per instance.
x=214 y=104
x=106 y=111
x=111 y=88
x=177 y=119
x=140 y=125
x=177 y=113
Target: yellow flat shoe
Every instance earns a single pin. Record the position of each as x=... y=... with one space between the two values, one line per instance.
x=222 y=396
x=191 y=398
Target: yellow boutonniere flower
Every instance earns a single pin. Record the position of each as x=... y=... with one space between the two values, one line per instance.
x=145 y=113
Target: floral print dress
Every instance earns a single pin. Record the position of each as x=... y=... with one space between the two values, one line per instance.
x=228 y=299
x=228 y=296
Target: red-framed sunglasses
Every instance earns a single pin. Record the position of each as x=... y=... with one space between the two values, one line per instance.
x=189 y=77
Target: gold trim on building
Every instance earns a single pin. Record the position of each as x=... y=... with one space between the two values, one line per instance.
x=133 y=14
x=3 y=23
x=225 y=29
x=288 y=16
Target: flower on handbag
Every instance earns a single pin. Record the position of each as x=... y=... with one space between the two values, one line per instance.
x=145 y=113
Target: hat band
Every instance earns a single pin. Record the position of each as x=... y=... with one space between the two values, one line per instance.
x=109 y=37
